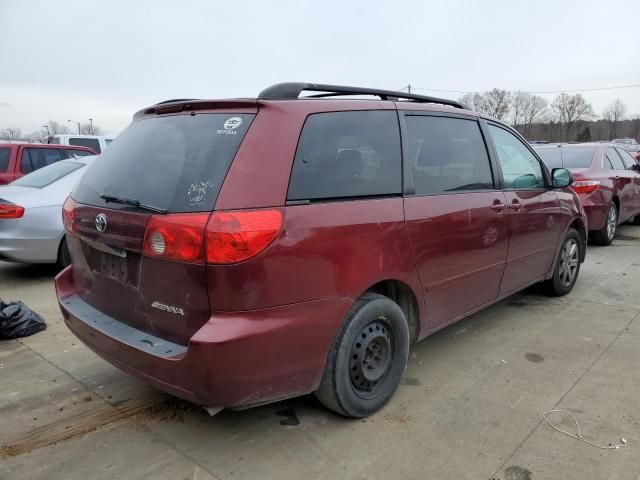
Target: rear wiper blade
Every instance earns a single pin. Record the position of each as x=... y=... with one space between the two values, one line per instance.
x=132 y=202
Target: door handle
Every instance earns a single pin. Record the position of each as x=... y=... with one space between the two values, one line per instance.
x=515 y=205
x=498 y=207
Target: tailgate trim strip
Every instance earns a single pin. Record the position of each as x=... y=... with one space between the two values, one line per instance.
x=118 y=252
x=122 y=332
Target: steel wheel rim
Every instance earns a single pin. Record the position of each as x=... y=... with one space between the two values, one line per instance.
x=611 y=222
x=569 y=261
x=371 y=359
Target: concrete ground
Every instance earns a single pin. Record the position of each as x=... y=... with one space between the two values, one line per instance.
x=469 y=407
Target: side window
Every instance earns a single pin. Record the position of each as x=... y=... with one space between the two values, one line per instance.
x=92 y=143
x=520 y=168
x=35 y=158
x=5 y=154
x=614 y=159
x=347 y=154
x=626 y=157
x=447 y=155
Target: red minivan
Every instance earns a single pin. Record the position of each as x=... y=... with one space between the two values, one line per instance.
x=237 y=252
x=18 y=159
x=607 y=180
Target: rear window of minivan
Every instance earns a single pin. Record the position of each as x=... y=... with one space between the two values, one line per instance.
x=175 y=162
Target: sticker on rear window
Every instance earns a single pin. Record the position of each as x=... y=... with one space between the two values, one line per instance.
x=230 y=125
x=197 y=192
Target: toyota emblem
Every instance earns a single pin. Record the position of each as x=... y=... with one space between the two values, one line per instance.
x=101 y=222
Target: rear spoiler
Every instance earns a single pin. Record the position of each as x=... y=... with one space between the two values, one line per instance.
x=186 y=105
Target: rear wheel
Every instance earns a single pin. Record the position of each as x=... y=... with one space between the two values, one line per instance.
x=605 y=235
x=64 y=258
x=367 y=358
x=567 y=267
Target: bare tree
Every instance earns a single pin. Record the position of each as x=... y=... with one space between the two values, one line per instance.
x=497 y=103
x=57 y=128
x=569 y=109
x=613 y=114
x=90 y=129
x=519 y=101
x=474 y=101
x=534 y=107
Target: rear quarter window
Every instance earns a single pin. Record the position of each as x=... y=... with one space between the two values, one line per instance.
x=5 y=155
x=347 y=154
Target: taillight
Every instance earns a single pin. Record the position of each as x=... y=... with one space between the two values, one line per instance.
x=176 y=237
x=9 y=210
x=236 y=236
x=585 y=186
x=69 y=215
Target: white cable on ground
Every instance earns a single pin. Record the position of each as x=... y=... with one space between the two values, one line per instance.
x=623 y=442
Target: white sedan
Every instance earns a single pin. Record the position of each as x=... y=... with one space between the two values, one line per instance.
x=31 y=229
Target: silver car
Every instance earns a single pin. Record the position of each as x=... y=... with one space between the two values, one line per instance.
x=31 y=229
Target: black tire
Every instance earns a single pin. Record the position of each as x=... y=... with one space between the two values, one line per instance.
x=375 y=329
x=606 y=234
x=64 y=258
x=567 y=265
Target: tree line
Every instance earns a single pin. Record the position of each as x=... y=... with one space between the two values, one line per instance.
x=566 y=118
x=48 y=131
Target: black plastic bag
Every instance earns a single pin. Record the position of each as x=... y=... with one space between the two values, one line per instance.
x=18 y=320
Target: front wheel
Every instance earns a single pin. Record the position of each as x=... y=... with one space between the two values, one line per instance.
x=605 y=235
x=567 y=266
x=367 y=358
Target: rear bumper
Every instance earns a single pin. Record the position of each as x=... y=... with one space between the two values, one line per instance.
x=235 y=359
x=17 y=245
x=596 y=213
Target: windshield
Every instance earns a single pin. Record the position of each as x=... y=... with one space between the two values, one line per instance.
x=175 y=163
x=47 y=175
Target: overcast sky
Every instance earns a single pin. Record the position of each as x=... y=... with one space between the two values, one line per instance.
x=78 y=59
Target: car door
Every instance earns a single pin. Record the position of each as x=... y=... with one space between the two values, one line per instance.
x=454 y=214
x=631 y=171
x=534 y=215
x=624 y=186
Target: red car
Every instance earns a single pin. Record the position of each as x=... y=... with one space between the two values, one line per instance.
x=18 y=159
x=607 y=180
x=243 y=251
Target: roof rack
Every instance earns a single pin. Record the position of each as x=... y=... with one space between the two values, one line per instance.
x=292 y=90
x=176 y=100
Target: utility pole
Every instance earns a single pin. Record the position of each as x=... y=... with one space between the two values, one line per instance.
x=409 y=88
x=91 y=125
x=48 y=134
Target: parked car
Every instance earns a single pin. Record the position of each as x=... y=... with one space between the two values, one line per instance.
x=95 y=142
x=305 y=243
x=31 y=228
x=18 y=159
x=624 y=141
x=607 y=181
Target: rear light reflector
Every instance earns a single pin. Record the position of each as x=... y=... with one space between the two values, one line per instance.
x=176 y=237
x=585 y=186
x=9 y=210
x=69 y=215
x=237 y=236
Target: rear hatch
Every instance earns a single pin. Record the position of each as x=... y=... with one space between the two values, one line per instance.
x=163 y=171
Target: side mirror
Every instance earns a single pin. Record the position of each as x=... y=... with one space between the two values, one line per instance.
x=561 y=178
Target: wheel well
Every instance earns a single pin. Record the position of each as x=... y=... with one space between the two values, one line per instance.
x=402 y=294
x=579 y=225
x=616 y=200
